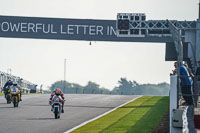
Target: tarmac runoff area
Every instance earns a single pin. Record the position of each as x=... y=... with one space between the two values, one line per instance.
x=34 y=116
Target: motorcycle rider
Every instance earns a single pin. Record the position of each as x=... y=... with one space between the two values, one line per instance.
x=7 y=86
x=58 y=92
x=15 y=85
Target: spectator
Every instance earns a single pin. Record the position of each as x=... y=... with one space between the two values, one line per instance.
x=174 y=72
x=186 y=85
x=197 y=74
x=189 y=71
x=198 y=71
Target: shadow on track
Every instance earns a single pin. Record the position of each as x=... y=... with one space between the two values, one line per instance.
x=6 y=107
x=3 y=103
x=41 y=118
x=37 y=105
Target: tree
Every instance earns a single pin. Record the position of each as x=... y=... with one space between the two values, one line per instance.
x=77 y=88
x=132 y=87
x=63 y=85
x=91 y=87
x=125 y=86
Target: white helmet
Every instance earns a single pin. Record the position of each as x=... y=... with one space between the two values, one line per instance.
x=15 y=83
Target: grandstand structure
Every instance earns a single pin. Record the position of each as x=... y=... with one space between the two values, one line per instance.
x=27 y=86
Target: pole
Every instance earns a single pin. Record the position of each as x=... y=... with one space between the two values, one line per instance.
x=173 y=105
x=180 y=62
x=176 y=35
x=64 y=69
x=64 y=82
x=199 y=9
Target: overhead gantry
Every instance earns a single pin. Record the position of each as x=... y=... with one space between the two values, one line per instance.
x=179 y=33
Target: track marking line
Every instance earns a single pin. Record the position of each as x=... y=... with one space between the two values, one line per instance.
x=95 y=118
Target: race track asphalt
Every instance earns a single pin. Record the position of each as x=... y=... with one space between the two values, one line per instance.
x=34 y=116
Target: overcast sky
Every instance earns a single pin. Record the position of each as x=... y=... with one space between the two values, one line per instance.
x=42 y=61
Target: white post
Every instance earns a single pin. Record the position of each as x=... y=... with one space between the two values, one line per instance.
x=64 y=69
x=173 y=102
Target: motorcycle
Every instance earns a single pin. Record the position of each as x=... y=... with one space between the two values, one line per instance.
x=7 y=95
x=15 y=95
x=8 y=99
x=56 y=104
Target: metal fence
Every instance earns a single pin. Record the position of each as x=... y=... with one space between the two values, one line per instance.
x=194 y=94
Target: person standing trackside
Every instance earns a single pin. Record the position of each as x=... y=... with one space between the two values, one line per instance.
x=197 y=75
x=186 y=85
x=174 y=72
x=189 y=71
x=198 y=71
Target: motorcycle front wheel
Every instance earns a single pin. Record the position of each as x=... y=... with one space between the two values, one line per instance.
x=56 y=112
x=8 y=99
x=15 y=103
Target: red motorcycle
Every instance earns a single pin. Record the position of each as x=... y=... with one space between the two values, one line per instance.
x=56 y=104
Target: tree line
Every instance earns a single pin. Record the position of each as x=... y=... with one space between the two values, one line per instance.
x=124 y=87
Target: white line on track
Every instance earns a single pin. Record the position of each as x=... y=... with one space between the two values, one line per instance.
x=86 y=122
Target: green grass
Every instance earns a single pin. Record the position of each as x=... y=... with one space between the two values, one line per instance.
x=139 y=116
x=1 y=94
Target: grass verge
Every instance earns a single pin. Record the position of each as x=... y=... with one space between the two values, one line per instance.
x=139 y=116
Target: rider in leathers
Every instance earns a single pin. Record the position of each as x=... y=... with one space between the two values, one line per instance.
x=15 y=85
x=58 y=92
x=7 y=86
